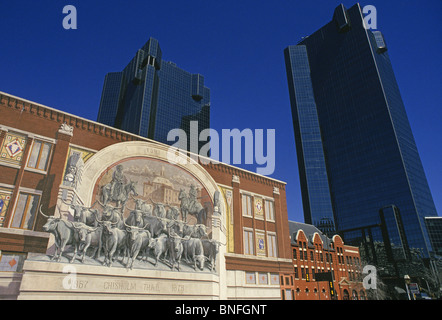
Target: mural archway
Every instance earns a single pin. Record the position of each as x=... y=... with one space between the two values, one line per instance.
x=110 y=156
x=136 y=186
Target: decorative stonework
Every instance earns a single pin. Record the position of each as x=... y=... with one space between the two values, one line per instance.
x=130 y=189
x=66 y=129
x=12 y=148
x=235 y=179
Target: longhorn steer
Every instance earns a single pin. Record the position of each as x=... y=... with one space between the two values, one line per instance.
x=84 y=214
x=141 y=205
x=138 y=240
x=156 y=225
x=194 y=231
x=211 y=249
x=87 y=216
x=114 y=241
x=172 y=213
x=175 y=251
x=113 y=215
x=175 y=227
x=159 y=209
x=160 y=247
x=193 y=249
x=63 y=232
x=84 y=237
x=135 y=218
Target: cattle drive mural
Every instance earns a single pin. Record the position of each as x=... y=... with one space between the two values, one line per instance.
x=146 y=213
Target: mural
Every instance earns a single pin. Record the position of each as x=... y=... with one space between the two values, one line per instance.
x=145 y=213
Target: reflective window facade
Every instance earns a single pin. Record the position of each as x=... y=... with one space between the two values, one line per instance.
x=312 y=169
x=151 y=96
x=434 y=226
x=370 y=155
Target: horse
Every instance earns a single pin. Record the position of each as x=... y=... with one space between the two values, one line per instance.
x=121 y=198
x=195 y=209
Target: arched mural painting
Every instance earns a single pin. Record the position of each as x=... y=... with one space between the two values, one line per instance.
x=135 y=210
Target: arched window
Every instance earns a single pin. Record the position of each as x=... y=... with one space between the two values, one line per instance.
x=362 y=295
x=354 y=295
x=346 y=295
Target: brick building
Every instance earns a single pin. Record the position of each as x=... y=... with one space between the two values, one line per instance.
x=324 y=269
x=51 y=160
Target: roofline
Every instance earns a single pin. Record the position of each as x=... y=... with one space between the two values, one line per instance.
x=140 y=137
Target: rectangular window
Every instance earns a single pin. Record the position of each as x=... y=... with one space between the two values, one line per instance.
x=274 y=279
x=39 y=155
x=271 y=243
x=269 y=209
x=246 y=205
x=5 y=199
x=248 y=242
x=25 y=211
x=250 y=278
x=288 y=294
x=12 y=261
x=263 y=278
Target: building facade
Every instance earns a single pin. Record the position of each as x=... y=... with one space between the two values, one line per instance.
x=355 y=147
x=434 y=227
x=324 y=268
x=61 y=170
x=152 y=96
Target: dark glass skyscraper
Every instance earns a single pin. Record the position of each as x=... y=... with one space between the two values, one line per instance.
x=152 y=96
x=356 y=152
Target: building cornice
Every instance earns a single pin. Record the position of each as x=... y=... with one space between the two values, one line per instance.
x=62 y=117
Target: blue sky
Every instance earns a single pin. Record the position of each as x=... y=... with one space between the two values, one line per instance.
x=237 y=46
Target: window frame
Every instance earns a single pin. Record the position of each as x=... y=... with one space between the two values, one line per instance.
x=39 y=156
x=24 y=214
x=248 y=242
x=248 y=210
x=272 y=245
x=269 y=208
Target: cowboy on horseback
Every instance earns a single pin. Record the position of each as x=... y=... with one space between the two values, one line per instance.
x=193 y=197
x=117 y=182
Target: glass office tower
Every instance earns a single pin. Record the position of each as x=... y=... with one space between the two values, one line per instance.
x=356 y=152
x=152 y=96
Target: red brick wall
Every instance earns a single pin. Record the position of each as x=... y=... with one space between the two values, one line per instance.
x=306 y=288
x=44 y=121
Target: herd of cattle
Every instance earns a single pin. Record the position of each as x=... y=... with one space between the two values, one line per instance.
x=144 y=233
